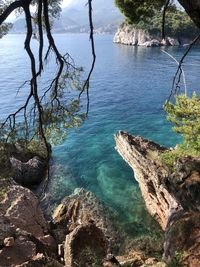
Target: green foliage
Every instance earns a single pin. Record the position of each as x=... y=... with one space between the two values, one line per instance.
x=177 y=24
x=175 y=262
x=136 y=11
x=185 y=115
x=147 y=15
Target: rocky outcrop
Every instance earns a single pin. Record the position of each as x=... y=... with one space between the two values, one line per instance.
x=24 y=232
x=129 y=35
x=28 y=173
x=85 y=246
x=142 y=156
x=82 y=208
x=172 y=198
x=25 y=163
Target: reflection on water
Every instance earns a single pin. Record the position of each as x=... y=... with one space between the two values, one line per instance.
x=128 y=89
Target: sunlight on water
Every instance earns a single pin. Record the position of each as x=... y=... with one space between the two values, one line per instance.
x=128 y=89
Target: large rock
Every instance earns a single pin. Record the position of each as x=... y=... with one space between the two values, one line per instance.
x=24 y=231
x=21 y=207
x=85 y=246
x=142 y=156
x=83 y=207
x=131 y=36
x=28 y=173
x=171 y=198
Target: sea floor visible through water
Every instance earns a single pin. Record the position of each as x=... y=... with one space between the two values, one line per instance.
x=128 y=89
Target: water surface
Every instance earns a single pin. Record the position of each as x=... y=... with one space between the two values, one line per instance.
x=128 y=90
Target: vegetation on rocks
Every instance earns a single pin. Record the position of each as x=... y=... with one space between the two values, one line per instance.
x=185 y=115
x=148 y=16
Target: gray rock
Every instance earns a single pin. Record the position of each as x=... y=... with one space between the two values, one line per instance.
x=28 y=173
x=152 y=43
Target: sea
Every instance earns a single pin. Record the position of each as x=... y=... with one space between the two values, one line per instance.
x=128 y=89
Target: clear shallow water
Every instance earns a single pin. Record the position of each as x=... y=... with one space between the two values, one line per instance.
x=128 y=89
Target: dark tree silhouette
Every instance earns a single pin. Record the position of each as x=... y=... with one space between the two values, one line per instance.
x=47 y=112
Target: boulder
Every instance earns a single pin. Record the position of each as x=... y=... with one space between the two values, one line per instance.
x=152 y=43
x=82 y=207
x=85 y=246
x=22 y=250
x=21 y=207
x=28 y=173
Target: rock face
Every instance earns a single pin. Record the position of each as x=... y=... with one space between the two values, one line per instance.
x=82 y=208
x=129 y=35
x=24 y=231
x=172 y=198
x=142 y=156
x=28 y=173
x=85 y=246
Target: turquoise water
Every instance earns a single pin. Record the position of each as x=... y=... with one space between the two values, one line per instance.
x=128 y=88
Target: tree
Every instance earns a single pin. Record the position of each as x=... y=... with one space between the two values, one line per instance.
x=46 y=111
x=158 y=17
x=136 y=11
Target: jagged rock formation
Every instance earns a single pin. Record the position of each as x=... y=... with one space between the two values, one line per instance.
x=129 y=35
x=24 y=232
x=82 y=208
x=172 y=198
x=142 y=156
x=27 y=239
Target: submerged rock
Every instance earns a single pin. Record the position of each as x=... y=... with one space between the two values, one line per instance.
x=171 y=198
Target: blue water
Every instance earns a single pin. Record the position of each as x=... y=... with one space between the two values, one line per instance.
x=128 y=89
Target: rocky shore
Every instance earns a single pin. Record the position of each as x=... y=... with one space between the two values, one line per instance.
x=129 y=35
x=82 y=232
x=171 y=197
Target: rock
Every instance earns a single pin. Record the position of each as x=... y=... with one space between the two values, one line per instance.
x=184 y=183
x=131 y=36
x=22 y=250
x=134 y=258
x=83 y=207
x=182 y=239
x=21 y=208
x=9 y=241
x=41 y=260
x=173 y=42
x=152 y=43
x=172 y=198
x=142 y=156
x=85 y=246
x=28 y=173
x=111 y=261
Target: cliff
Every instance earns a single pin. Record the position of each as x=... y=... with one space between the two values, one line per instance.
x=129 y=35
x=172 y=198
